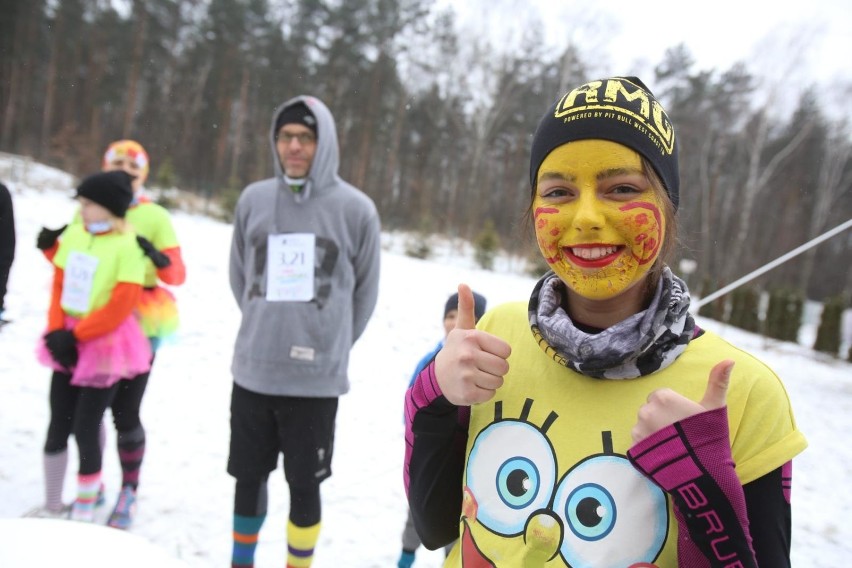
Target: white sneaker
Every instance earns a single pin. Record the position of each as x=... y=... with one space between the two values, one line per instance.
x=43 y=512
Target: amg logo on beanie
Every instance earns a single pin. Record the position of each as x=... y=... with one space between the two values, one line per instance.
x=618 y=109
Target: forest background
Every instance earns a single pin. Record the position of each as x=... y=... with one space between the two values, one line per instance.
x=434 y=123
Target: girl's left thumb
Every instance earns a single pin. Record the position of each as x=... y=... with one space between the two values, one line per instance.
x=717 y=385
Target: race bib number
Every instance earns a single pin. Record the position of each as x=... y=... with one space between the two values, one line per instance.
x=78 y=281
x=290 y=267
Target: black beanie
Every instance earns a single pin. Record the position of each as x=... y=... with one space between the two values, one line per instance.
x=297 y=113
x=618 y=109
x=478 y=305
x=112 y=190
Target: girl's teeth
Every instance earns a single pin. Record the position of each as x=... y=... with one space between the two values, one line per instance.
x=593 y=253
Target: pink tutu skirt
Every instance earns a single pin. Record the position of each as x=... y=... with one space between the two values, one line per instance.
x=103 y=361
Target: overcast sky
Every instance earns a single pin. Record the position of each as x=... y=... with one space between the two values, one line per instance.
x=812 y=39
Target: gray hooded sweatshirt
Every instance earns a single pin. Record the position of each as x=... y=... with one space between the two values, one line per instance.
x=301 y=348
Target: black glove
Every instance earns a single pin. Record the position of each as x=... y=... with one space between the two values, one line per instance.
x=47 y=237
x=159 y=259
x=62 y=346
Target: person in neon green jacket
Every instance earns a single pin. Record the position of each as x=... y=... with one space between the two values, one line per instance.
x=93 y=340
x=156 y=310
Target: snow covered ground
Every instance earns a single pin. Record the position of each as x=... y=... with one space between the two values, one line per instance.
x=186 y=495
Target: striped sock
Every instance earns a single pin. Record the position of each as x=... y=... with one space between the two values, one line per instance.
x=131 y=451
x=88 y=485
x=406 y=559
x=300 y=544
x=246 y=530
x=54 y=479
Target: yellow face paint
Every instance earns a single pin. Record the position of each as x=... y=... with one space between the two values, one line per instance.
x=598 y=221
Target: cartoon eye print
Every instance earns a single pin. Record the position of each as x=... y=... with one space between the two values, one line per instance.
x=520 y=508
x=512 y=472
x=603 y=497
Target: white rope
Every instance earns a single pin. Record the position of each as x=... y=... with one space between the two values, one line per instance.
x=767 y=267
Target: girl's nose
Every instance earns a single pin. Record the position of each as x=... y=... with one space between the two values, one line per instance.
x=589 y=216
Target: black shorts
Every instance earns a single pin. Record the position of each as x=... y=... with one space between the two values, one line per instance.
x=262 y=426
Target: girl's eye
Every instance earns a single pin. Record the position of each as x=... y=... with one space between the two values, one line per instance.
x=625 y=190
x=554 y=192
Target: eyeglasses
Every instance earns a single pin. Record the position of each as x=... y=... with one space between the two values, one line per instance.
x=304 y=138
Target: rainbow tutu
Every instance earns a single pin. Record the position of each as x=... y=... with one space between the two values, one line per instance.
x=158 y=315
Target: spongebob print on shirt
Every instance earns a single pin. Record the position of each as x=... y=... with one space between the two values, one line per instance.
x=529 y=503
x=546 y=479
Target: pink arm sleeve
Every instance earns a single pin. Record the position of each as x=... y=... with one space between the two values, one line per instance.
x=691 y=461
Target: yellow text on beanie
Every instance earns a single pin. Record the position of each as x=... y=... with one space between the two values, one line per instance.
x=618 y=109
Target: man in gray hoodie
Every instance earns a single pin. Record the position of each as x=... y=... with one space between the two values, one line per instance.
x=304 y=269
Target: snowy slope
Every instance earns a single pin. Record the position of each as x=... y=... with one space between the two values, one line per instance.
x=186 y=495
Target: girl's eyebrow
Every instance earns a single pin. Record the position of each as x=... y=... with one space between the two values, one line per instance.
x=612 y=172
x=618 y=172
x=548 y=176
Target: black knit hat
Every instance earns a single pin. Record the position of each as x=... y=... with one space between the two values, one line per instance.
x=618 y=109
x=297 y=113
x=478 y=305
x=112 y=190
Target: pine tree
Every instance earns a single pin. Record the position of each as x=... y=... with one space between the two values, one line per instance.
x=744 y=309
x=829 y=330
x=419 y=244
x=486 y=245
x=784 y=314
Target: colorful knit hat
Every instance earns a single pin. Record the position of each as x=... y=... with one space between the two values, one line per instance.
x=618 y=109
x=131 y=149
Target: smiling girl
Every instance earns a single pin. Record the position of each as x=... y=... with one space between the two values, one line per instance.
x=597 y=425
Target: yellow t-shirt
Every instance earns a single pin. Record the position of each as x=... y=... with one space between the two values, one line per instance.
x=546 y=471
x=93 y=265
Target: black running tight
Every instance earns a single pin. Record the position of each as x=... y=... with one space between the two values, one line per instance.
x=78 y=411
x=251 y=500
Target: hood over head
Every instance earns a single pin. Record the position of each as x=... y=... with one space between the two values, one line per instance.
x=323 y=172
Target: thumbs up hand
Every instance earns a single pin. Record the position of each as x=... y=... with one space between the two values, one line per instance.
x=665 y=406
x=470 y=367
